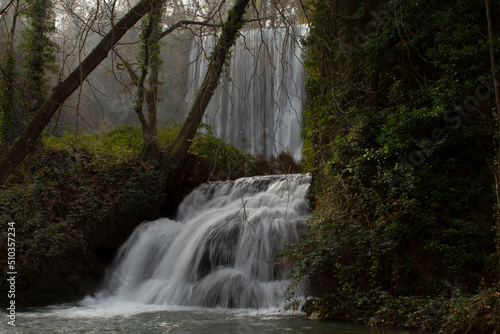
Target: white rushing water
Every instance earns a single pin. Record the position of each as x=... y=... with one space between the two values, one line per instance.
x=218 y=252
x=258 y=105
x=209 y=271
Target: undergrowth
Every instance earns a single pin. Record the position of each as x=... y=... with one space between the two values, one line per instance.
x=123 y=143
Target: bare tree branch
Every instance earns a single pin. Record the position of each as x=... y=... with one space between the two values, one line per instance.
x=186 y=23
x=178 y=149
x=126 y=65
x=20 y=149
x=3 y=11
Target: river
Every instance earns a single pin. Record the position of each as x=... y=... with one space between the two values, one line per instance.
x=121 y=317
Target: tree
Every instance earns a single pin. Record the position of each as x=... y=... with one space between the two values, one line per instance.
x=496 y=85
x=150 y=62
x=7 y=93
x=384 y=102
x=63 y=90
x=40 y=54
x=178 y=149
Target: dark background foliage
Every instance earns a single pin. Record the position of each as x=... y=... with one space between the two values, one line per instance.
x=399 y=135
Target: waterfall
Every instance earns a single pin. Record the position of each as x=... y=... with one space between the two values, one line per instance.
x=258 y=105
x=218 y=251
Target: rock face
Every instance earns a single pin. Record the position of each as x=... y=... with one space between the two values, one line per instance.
x=308 y=308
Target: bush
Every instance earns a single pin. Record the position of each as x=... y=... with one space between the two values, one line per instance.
x=478 y=313
x=401 y=210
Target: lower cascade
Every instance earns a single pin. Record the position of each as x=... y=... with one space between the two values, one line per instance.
x=218 y=252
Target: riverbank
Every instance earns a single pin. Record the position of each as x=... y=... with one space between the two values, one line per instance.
x=457 y=312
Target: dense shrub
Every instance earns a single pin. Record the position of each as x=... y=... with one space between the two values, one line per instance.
x=66 y=205
x=400 y=150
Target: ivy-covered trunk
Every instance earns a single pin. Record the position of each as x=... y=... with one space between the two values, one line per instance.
x=7 y=90
x=178 y=149
x=7 y=100
x=150 y=64
x=40 y=54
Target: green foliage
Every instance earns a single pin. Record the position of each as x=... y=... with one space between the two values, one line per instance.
x=479 y=313
x=221 y=154
x=398 y=140
x=167 y=134
x=233 y=163
x=150 y=47
x=150 y=43
x=122 y=143
x=65 y=206
x=41 y=237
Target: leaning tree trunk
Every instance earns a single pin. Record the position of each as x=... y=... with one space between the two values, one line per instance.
x=178 y=149
x=62 y=91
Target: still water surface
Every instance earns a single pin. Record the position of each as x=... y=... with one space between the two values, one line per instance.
x=122 y=317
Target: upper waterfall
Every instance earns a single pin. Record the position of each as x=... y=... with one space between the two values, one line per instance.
x=218 y=252
x=258 y=105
